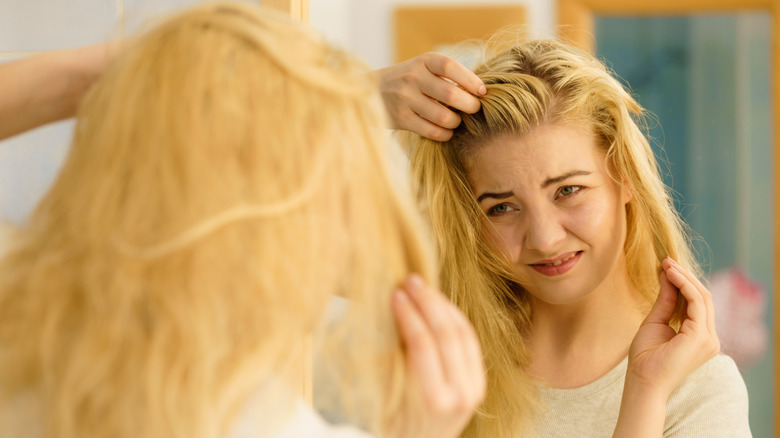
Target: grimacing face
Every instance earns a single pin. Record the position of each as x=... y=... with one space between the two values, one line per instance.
x=557 y=214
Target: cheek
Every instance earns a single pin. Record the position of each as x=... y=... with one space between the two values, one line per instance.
x=503 y=238
x=599 y=223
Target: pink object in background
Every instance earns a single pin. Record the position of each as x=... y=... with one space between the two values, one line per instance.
x=740 y=310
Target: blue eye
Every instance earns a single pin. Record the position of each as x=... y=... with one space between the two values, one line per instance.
x=568 y=190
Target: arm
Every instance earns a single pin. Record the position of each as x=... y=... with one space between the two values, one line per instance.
x=660 y=358
x=48 y=87
x=443 y=361
x=419 y=94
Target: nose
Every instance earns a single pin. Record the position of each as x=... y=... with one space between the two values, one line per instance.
x=544 y=232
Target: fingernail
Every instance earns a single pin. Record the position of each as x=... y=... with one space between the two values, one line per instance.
x=414 y=282
x=482 y=90
x=400 y=297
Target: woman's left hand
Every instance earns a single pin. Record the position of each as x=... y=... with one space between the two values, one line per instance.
x=661 y=358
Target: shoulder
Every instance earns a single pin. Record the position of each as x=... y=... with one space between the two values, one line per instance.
x=712 y=402
x=719 y=377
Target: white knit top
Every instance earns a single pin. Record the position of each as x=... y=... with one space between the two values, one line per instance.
x=711 y=402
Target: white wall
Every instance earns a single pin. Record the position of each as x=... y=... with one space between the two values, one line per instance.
x=29 y=162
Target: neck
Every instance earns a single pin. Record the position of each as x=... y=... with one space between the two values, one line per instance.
x=576 y=343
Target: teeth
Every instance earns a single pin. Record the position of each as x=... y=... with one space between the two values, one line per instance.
x=558 y=263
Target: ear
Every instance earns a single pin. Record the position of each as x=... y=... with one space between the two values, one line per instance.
x=627 y=192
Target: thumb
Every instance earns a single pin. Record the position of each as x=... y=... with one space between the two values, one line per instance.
x=662 y=310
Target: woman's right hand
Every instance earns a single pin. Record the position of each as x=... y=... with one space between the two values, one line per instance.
x=443 y=361
x=421 y=93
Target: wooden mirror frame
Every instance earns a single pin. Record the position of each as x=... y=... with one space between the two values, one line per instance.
x=576 y=18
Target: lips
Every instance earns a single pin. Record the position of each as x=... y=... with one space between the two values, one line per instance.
x=557 y=266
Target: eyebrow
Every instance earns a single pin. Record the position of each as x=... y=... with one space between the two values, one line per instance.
x=548 y=182
x=486 y=195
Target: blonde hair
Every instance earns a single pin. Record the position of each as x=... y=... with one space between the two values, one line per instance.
x=529 y=84
x=227 y=177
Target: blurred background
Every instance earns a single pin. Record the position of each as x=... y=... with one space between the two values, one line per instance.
x=703 y=70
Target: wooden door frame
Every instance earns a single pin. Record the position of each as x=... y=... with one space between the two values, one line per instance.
x=298 y=9
x=576 y=18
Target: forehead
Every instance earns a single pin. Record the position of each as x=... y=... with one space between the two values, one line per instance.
x=545 y=152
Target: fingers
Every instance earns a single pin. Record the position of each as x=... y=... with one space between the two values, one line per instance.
x=436 y=113
x=439 y=87
x=697 y=309
x=443 y=83
x=700 y=306
x=664 y=306
x=423 y=127
x=449 y=93
x=706 y=295
x=456 y=341
x=424 y=94
x=446 y=67
x=421 y=352
x=445 y=331
x=451 y=370
x=472 y=357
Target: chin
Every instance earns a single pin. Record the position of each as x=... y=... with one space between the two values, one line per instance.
x=559 y=298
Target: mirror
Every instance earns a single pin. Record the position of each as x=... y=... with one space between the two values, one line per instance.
x=705 y=80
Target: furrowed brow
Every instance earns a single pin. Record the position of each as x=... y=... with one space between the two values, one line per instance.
x=486 y=195
x=550 y=181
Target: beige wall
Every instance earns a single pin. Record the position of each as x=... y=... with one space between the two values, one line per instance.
x=364 y=26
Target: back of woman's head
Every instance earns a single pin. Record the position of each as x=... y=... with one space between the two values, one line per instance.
x=530 y=84
x=227 y=177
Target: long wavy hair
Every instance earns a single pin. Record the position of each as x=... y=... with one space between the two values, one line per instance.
x=531 y=83
x=227 y=177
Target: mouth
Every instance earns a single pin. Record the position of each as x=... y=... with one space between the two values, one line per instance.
x=558 y=266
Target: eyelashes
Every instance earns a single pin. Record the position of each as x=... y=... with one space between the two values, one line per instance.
x=499 y=209
x=561 y=194
x=568 y=191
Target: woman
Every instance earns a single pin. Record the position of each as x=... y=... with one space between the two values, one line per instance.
x=553 y=226
x=227 y=177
